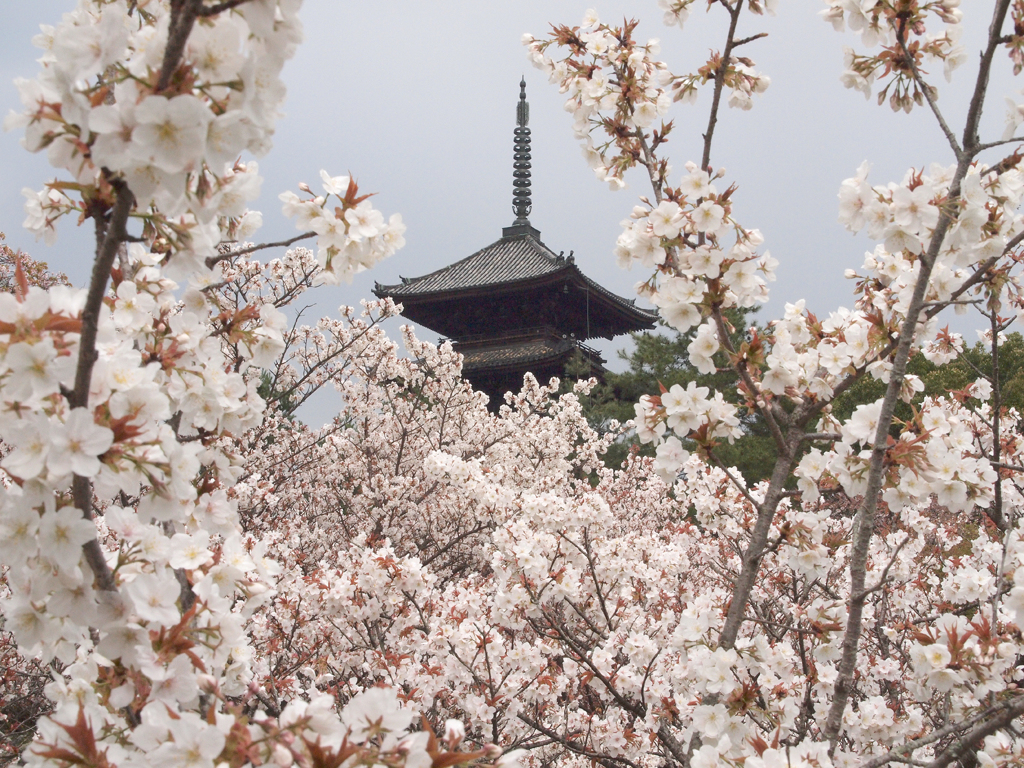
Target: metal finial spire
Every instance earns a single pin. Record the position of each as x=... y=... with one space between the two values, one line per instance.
x=521 y=203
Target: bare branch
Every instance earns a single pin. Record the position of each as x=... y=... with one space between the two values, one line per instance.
x=735 y=481
x=970 y=138
x=751 y=557
x=716 y=99
x=968 y=742
x=884 y=578
x=183 y=17
x=901 y=37
x=750 y=39
x=212 y=261
x=866 y=513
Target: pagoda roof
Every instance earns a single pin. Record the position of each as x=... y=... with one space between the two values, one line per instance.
x=518 y=259
x=516 y=354
x=516 y=348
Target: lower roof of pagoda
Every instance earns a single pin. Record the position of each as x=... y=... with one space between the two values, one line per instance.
x=520 y=351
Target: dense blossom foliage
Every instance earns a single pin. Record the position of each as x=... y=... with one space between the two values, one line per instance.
x=208 y=581
x=125 y=566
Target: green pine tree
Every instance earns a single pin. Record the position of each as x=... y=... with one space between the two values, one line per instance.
x=661 y=359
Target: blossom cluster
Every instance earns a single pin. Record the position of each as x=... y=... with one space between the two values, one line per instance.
x=947 y=237
x=617 y=90
x=527 y=602
x=602 y=63
x=122 y=407
x=351 y=237
x=119 y=98
x=906 y=47
x=216 y=583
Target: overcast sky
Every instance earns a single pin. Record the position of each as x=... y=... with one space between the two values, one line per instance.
x=416 y=98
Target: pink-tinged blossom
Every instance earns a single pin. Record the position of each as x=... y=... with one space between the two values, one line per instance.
x=87 y=48
x=30 y=437
x=189 y=551
x=708 y=217
x=171 y=132
x=77 y=444
x=18 y=529
x=194 y=744
x=155 y=598
x=666 y=220
x=913 y=211
x=863 y=423
x=696 y=183
x=35 y=369
x=114 y=125
x=62 y=532
x=364 y=221
x=41 y=210
x=669 y=459
x=215 y=49
x=375 y=711
x=334 y=185
x=31 y=626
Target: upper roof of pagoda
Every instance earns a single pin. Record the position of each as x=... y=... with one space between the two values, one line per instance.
x=519 y=260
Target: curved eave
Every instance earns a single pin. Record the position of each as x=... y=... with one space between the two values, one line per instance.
x=511 y=258
x=476 y=361
x=547 y=359
x=639 y=319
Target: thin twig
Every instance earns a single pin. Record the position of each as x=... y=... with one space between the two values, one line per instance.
x=735 y=481
x=969 y=741
x=750 y=39
x=716 y=99
x=884 y=578
x=1013 y=467
x=212 y=261
x=901 y=38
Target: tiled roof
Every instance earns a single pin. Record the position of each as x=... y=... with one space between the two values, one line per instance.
x=520 y=352
x=532 y=351
x=507 y=260
x=511 y=259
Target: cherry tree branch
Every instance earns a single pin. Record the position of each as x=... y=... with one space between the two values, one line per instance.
x=716 y=99
x=605 y=760
x=212 y=261
x=183 y=17
x=227 y=5
x=995 y=513
x=756 y=549
x=866 y=514
x=901 y=38
x=734 y=480
x=901 y=753
x=81 y=487
x=970 y=137
x=967 y=742
x=765 y=410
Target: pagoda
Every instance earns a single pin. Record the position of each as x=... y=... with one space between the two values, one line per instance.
x=515 y=305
